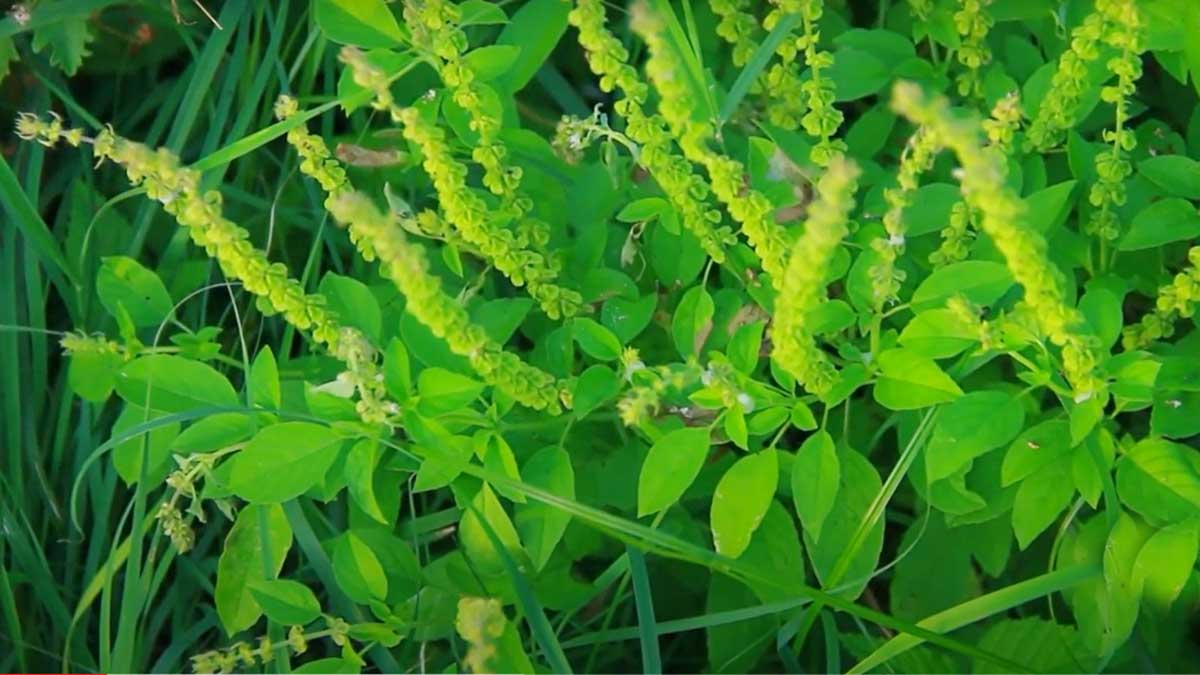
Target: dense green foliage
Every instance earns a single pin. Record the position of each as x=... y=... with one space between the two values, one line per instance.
x=351 y=336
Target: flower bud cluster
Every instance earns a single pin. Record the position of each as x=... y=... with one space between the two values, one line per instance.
x=973 y=22
x=1112 y=168
x=1175 y=300
x=803 y=287
x=917 y=158
x=749 y=207
x=1060 y=106
x=404 y=262
x=686 y=190
x=1001 y=217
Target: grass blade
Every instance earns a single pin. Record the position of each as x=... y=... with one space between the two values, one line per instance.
x=754 y=67
x=535 y=616
x=980 y=608
x=651 y=660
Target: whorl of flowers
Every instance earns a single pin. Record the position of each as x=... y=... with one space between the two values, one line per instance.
x=738 y=27
x=973 y=23
x=823 y=118
x=1175 y=300
x=803 y=286
x=466 y=210
x=749 y=207
x=404 y=262
x=1059 y=107
x=316 y=161
x=1001 y=214
x=178 y=189
x=683 y=187
x=1001 y=129
x=435 y=29
x=244 y=656
x=917 y=158
x=920 y=9
x=1112 y=168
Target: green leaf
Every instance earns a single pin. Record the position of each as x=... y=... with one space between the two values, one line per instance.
x=1160 y=480
x=1122 y=584
x=242 y=562
x=481 y=13
x=816 y=475
x=858 y=486
x=1176 y=414
x=596 y=340
x=93 y=374
x=595 y=387
x=692 y=321
x=264 y=380
x=354 y=304
x=744 y=346
x=671 y=465
x=976 y=423
x=127 y=456
x=285 y=602
x=397 y=371
x=124 y=282
x=1039 y=500
x=214 y=433
x=1178 y=175
x=541 y=525
x=474 y=541
x=933 y=553
x=979 y=281
x=938 y=334
x=443 y=391
x=1037 y=447
x=365 y=23
x=930 y=208
x=359 y=472
x=857 y=73
x=173 y=384
x=536 y=28
x=498 y=457
x=741 y=500
x=492 y=61
x=1164 y=564
x=1162 y=222
x=283 y=461
x=67 y=39
x=628 y=318
x=329 y=666
x=358 y=570
x=643 y=210
x=909 y=381
x=1049 y=207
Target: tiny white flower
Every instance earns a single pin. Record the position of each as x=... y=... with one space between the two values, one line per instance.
x=746 y=402
x=1175 y=403
x=341 y=386
x=706 y=378
x=20 y=14
x=1083 y=396
x=632 y=368
x=896 y=240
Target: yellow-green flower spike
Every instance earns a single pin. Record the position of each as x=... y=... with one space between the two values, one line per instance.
x=749 y=207
x=973 y=23
x=822 y=119
x=435 y=30
x=738 y=27
x=1175 y=300
x=1001 y=129
x=316 y=161
x=917 y=158
x=404 y=262
x=1112 y=168
x=803 y=287
x=466 y=211
x=1001 y=214
x=1058 y=109
x=686 y=190
x=177 y=187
